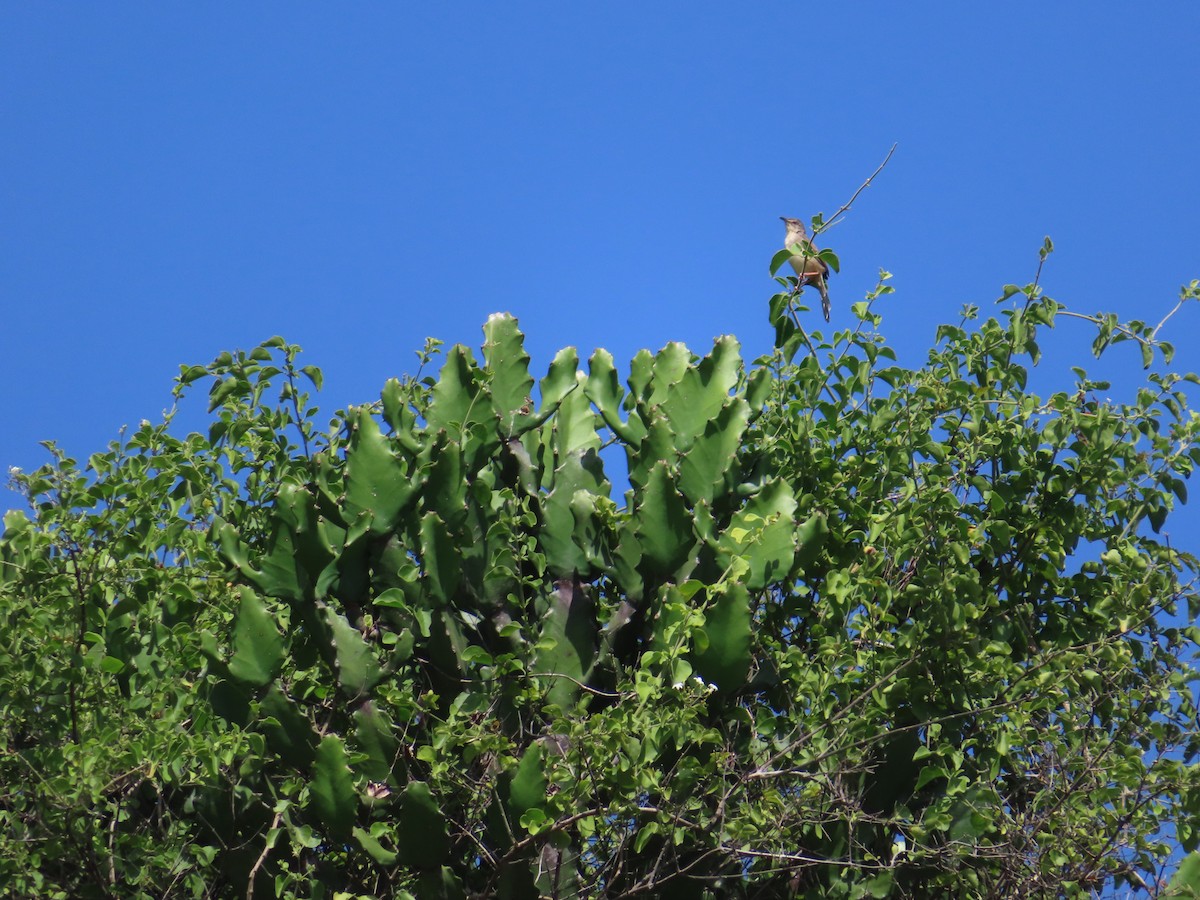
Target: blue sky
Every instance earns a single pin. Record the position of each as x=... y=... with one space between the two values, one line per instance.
x=180 y=180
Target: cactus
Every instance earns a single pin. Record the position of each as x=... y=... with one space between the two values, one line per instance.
x=481 y=531
x=332 y=788
x=257 y=643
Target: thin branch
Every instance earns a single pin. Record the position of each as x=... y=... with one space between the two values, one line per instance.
x=1154 y=333
x=846 y=862
x=262 y=857
x=846 y=206
x=579 y=684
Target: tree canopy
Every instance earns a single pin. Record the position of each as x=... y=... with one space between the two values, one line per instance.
x=818 y=625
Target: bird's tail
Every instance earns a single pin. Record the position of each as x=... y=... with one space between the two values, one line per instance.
x=823 y=288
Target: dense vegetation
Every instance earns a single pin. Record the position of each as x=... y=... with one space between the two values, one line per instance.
x=820 y=626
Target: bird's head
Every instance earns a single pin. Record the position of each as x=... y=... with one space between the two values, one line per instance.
x=794 y=226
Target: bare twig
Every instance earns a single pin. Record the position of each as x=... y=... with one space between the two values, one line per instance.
x=579 y=684
x=845 y=208
x=262 y=857
x=1175 y=309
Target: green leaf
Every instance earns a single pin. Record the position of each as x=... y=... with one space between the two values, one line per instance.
x=778 y=260
x=315 y=375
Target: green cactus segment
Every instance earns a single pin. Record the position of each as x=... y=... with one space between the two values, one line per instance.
x=811 y=536
x=375 y=740
x=575 y=425
x=604 y=390
x=445 y=492
x=331 y=793
x=354 y=662
x=671 y=364
x=441 y=535
x=657 y=445
x=527 y=790
x=507 y=366
x=760 y=543
x=440 y=555
x=641 y=373
x=593 y=535
x=398 y=412
x=698 y=392
x=441 y=885
x=276 y=574
x=663 y=525
x=316 y=542
x=456 y=403
x=257 y=644
x=626 y=565
x=379 y=485
x=1186 y=882
x=288 y=731
x=566 y=649
x=371 y=844
x=567 y=517
x=710 y=463
x=758 y=389
x=725 y=662
x=561 y=379
x=424 y=842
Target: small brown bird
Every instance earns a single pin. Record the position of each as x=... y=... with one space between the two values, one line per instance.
x=809 y=268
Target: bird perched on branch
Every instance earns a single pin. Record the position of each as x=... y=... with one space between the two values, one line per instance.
x=809 y=267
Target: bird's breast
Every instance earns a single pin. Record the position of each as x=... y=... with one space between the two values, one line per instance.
x=809 y=265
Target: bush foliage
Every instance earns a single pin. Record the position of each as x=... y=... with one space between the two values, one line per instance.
x=818 y=626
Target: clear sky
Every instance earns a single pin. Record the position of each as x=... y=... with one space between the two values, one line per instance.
x=180 y=179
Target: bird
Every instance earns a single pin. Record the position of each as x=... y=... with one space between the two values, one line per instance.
x=809 y=267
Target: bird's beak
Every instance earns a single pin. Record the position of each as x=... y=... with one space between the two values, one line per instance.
x=783 y=218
